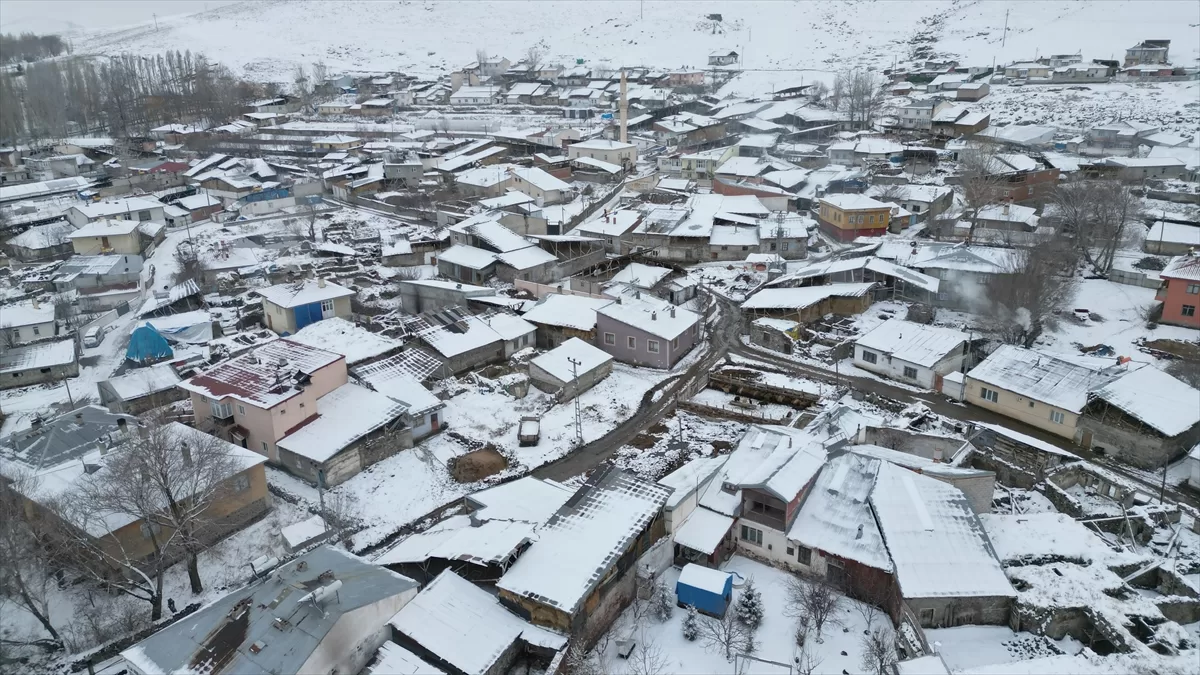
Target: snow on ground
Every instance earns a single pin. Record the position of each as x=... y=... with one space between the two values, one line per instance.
x=702 y=437
x=840 y=651
x=777 y=412
x=1074 y=107
x=426 y=37
x=966 y=647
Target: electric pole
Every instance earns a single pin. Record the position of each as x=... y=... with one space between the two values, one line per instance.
x=578 y=416
x=1004 y=38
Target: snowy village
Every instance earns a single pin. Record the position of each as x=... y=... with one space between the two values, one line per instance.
x=577 y=338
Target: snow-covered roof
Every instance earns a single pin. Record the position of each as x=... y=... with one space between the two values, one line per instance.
x=526 y=258
x=26 y=314
x=913 y=342
x=836 y=516
x=468 y=256
x=541 y=179
x=305 y=292
x=1026 y=440
x=39 y=355
x=777 y=459
x=1030 y=538
x=527 y=500
x=392 y=659
x=115 y=207
x=799 y=298
x=937 y=544
x=344 y=337
x=733 y=235
x=490 y=543
x=471 y=332
x=703 y=531
x=106 y=227
x=641 y=275
x=558 y=361
x=10 y=193
x=507 y=326
x=140 y=382
x=607 y=167
x=1155 y=399
x=264 y=377
x=569 y=311
x=854 y=202
x=704 y=578
x=877 y=265
x=1183 y=267
x=585 y=539
x=1047 y=378
x=399 y=377
x=1175 y=233
x=909 y=192
x=651 y=315
x=344 y=416
x=602 y=144
x=464 y=625
x=510 y=198
x=690 y=477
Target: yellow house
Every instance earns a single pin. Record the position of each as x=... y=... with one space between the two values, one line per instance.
x=847 y=216
x=118 y=237
x=338 y=142
x=289 y=307
x=1038 y=389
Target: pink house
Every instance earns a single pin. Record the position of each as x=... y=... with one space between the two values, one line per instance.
x=1180 y=292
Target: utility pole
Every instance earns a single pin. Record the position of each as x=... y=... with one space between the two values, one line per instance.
x=155 y=22
x=1004 y=38
x=578 y=416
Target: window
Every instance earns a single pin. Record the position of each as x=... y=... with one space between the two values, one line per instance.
x=772 y=246
x=870 y=357
x=790 y=550
x=675 y=343
x=910 y=372
x=143 y=215
x=1192 y=289
x=148 y=528
x=652 y=346
x=752 y=535
x=265 y=449
x=1057 y=417
x=785 y=245
x=16 y=333
x=283 y=411
x=36 y=331
x=631 y=342
x=241 y=409
x=1031 y=404
x=724 y=248
x=1188 y=310
x=745 y=248
x=241 y=483
x=804 y=555
x=326 y=305
x=989 y=394
x=610 y=339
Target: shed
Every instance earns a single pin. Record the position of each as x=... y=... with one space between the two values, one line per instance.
x=147 y=345
x=571 y=368
x=704 y=588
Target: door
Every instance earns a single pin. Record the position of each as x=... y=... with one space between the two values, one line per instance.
x=1086 y=439
x=433 y=421
x=104 y=243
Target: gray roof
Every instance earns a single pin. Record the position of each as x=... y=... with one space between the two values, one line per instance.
x=218 y=638
x=66 y=437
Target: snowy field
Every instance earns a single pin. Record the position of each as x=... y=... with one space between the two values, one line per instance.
x=1175 y=106
x=968 y=647
x=424 y=37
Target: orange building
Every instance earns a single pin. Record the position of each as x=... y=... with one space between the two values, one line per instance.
x=1180 y=292
x=847 y=216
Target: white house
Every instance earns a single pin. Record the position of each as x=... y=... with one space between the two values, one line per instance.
x=571 y=368
x=475 y=96
x=134 y=208
x=614 y=152
x=26 y=322
x=911 y=352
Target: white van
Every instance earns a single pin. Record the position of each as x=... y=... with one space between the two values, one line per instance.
x=93 y=337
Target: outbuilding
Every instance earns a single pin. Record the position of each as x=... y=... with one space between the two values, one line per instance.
x=704 y=588
x=570 y=369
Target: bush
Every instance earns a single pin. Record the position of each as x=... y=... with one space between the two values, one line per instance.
x=691 y=628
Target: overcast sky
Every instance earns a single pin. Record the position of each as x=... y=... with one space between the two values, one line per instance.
x=59 y=16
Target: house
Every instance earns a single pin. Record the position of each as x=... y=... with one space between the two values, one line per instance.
x=405 y=167
x=471 y=341
x=418 y=296
x=1145 y=418
x=1007 y=217
x=26 y=322
x=1141 y=168
x=642 y=330
x=611 y=227
x=138 y=209
x=289 y=307
x=703 y=165
x=569 y=369
x=864 y=151
x=451 y=612
x=337 y=143
x=1041 y=390
x=41 y=243
x=722 y=58
x=1180 y=292
x=1148 y=52
x=542 y=186
x=344 y=337
x=475 y=95
x=847 y=216
x=399 y=378
x=1023 y=178
x=280 y=105
x=324 y=611
x=141 y=389
x=1027 y=70
x=467 y=264
x=560 y=318
x=1193 y=464
x=684 y=78
x=958 y=121
x=920 y=200
x=38 y=362
x=912 y=352
x=378 y=107
x=1147 y=72
x=580 y=572
x=200 y=206
x=971 y=91
x=687 y=483
x=61 y=455
x=809 y=303
x=122 y=237
x=613 y=152
x=959 y=267
x=945 y=567
x=919 y=114
x=1172 y=238
x=1081 y=72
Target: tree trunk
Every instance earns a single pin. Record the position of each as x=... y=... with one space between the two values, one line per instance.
x=193 y=566
x=32 y=607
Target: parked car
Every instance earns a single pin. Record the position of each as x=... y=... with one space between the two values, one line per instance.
x=93 y=337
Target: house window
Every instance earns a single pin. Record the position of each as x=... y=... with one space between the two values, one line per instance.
x=870 y=357
x=1031 y=404
x=752 y=535
x=150 y=528
x=143 y=215
x=241 y=483
x=772 y=246
x=283 y=411
x=910 y=372
x=1193 y=289
x=36 y=331
x=804 y=555
x=1188 y=310
x=675 y=343
x=326 y=305
x=241 y=410
x=631 y=342
x=785 y=246
x=989 y=394
x=610 y=339
x=265 y=448
x=790 y=550
x=724 y=248
x=652 y=346
x=1057 y=417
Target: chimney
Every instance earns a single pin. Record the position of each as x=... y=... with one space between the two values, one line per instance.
x=1006 y=208
x=937 y=455
x=36 y=304
x=672 y=312
x=320 y=282
x=624 y=110
x=654 y=316
x=121 y=424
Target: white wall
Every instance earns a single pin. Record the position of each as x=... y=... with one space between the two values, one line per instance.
x=356 y=637
x=774 y=544
x=894 y=368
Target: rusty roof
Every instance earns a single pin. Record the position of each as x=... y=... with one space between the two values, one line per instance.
x=266 y=376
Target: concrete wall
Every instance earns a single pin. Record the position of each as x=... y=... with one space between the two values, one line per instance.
x=124 y=244
x=351 y=460
x=347 y=648
x=417 y=298
x=571 y=388
x=947 y=612
x=30 y=332
x=24 y=378
x=1141 y=448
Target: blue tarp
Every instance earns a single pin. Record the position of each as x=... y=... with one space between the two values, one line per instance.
x=147 y=345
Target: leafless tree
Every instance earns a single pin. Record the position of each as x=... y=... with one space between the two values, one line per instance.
x=579 y=662
x=481 y=55
x=343 y=513
x=859 y=93
x=878 y=648
x=647 y=657
x=320 y=74
x=812 y=600
x=534 y=57
x=310 y=214
x=1098 y=215
x=169 y=475
x=818 y=92
x=302 y=86
x=1039 y=284
x=25 y=578
x=806 y=661
x=726 y=635
x=979 y=181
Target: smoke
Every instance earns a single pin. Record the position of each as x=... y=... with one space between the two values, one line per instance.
x=1023 y=318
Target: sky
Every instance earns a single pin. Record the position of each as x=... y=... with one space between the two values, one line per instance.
x=74 y=16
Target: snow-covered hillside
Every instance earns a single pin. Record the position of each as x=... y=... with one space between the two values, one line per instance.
x=265 y=39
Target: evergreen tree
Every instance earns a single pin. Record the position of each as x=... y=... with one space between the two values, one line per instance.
x=749 y=606
x=661 y=604
x=690 y=626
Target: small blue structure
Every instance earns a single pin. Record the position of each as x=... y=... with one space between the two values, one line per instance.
x=704 y=588
x=147 y=345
